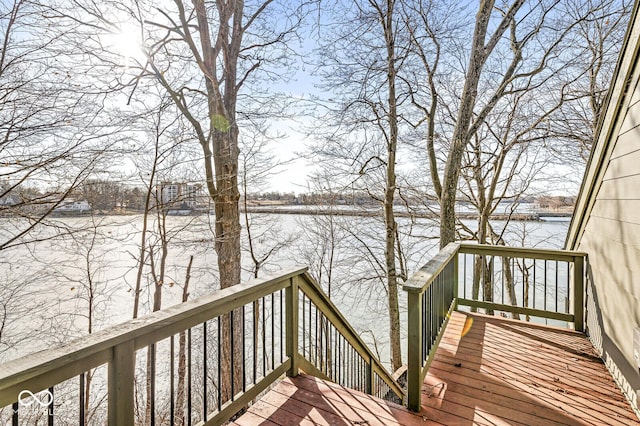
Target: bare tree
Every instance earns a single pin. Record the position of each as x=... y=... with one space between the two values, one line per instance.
x=597 y=42
x=360 y=62
x=182 y=357
x=515 y=145
x=265 y=237
x=519 y=53
x=205 y=56
x=52 y=132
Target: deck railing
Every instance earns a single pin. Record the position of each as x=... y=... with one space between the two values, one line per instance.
x=529 y=284
x=181 y=357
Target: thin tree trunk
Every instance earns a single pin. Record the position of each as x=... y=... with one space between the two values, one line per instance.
x=143 y=235
x=88 y=376
x=488 y=282
x=511 y=291
x=482 y=277
x=182 y=358
x=158 y=278
x=390 y=189
x=475 y=285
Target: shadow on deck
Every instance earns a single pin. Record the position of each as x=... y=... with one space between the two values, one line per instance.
x=486 y=371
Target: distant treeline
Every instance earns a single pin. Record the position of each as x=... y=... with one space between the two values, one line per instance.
x=110 y=195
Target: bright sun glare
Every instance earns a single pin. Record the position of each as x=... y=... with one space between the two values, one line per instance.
x=126 y=43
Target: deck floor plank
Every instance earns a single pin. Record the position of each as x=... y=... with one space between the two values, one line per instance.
x=545 y=375
x=487 y=371
x=530 y=362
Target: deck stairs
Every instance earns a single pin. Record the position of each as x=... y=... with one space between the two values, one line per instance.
x=487 y=371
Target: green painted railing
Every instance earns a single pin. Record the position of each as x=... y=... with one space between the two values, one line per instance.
x=277 y=326
x=529 y=284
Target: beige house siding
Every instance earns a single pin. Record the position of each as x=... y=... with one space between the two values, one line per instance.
x=607 y=223
x=611 y=237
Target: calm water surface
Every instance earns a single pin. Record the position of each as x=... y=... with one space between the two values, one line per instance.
x=47 y=285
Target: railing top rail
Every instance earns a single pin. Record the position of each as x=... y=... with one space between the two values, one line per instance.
x=353 y=337
x=96 y=349
x=423 y=278
x=531 y=253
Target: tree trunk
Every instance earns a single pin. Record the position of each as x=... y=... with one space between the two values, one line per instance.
x=222 y=178
x=487 y=281
x=525 y=283
x=390 y=189
x=460 y=138
x=508 y=277
x=158 y=278
x=182 y=358
x=462 y=131
x=227 y=245
x=482 y=277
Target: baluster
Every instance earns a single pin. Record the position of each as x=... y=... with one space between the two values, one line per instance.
x=81 y=417
x=189 y=387
x=255 y=312
x=244 y=337
x=292 y=325
x=578 y=292
x=282 y=318
x=50 y=408
x=204 y=369
x=556 y=309
x=414 y=358
x=172 y=408
x=273 y=333
x=152 y=361
x=232 y=356
x=219 y=364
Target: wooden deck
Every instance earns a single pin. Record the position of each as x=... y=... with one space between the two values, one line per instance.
x=487 y=371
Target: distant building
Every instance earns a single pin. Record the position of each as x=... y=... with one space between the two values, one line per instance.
x=9 y=200
x=7 y=197
x=180 y=195
x=73 y=207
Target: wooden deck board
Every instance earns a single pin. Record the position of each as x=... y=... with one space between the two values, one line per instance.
x=487 y=371
x=525 y=372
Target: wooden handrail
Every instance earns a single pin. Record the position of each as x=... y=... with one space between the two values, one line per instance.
x=116 y=346
x=44 y=369
x=419 y=281
x=420 y=285
x=333 y=314
x=531 y=253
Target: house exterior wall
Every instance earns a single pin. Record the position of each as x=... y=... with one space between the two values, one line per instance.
x=606 y=224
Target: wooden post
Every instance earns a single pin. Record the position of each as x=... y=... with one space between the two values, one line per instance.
x=456 y=284
x=121 y=378
x=578 y=292
x=291 y=300
x=414 y=350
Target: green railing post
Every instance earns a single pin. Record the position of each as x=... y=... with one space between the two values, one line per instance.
x=291 y=300
x=121 y=377
x=414 y=351
x=578 y=292
x=455 y=278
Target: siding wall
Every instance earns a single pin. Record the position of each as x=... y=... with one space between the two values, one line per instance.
x=611 y=238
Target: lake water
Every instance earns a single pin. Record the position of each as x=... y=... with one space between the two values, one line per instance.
x=45 y=285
